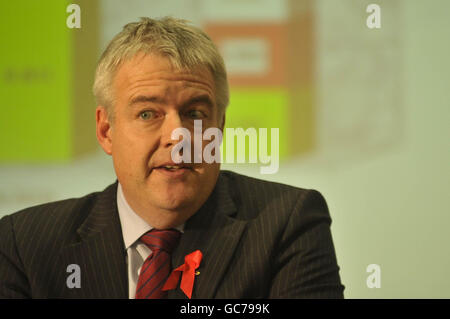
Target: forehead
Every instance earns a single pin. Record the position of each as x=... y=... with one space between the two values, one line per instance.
x=157 y=74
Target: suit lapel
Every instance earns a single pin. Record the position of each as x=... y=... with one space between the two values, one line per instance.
x=99 y=252
x=215 y=232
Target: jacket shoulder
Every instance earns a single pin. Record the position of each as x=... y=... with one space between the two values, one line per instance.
x=246 y=181
x=50 y=223
x=255 y=196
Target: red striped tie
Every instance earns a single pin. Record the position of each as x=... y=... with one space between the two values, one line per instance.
x=157 y=266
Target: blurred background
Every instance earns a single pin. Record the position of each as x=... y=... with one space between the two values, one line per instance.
x=363 y=113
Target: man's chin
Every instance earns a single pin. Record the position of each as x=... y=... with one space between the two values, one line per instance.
x=175 y=204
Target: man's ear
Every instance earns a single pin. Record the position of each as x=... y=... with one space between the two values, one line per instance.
x=104 y=129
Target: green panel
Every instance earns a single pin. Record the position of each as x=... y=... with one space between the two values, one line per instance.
x=258 y=108
x=302 y=120
x=34 y=81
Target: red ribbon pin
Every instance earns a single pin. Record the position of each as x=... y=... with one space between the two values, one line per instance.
x=191 y=263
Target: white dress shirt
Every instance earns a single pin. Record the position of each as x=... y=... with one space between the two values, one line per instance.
x=133 y=227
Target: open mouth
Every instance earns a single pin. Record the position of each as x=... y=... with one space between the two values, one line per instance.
x=172 y=168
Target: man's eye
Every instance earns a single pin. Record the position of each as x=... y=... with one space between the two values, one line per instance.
x=195 y=114
x=145 y=115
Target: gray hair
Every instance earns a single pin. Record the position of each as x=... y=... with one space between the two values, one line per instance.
x=186 y=46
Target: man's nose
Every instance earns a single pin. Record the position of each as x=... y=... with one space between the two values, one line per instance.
x=171 y=122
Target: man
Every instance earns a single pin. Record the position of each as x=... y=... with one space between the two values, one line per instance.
x=251 y=238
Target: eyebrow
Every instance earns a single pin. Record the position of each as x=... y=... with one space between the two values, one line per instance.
x=200 y=99
x=146 y=99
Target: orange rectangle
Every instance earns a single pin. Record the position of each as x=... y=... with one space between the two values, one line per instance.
x=255 y=54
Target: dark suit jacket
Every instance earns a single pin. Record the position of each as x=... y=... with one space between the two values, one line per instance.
x=259 y=240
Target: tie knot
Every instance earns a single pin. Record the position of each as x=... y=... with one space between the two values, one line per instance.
x=165 y=240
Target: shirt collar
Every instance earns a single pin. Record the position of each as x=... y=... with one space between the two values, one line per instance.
x=133 y=226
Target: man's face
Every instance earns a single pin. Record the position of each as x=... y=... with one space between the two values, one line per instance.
x=151 y=100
